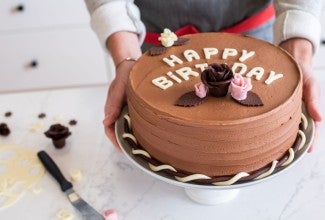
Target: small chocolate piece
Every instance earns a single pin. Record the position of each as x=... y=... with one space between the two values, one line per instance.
x=8 y=114
x=252 y=100
x=58 y=133
x=157 y=50
x=4 y=129
x=73 y=122
x=189 y=99
x=34 y=63
x=213 y=179
x=181 y=41
x=42 y=115
x=20 y=8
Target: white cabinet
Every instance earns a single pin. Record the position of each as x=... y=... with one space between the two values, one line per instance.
x=48 y=44
x=319 y=58
x=41 y=13
x=322 y=21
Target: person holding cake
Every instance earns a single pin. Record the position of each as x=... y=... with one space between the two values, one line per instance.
x=125 y=28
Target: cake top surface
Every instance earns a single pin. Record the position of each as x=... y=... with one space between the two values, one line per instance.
x=158 y=83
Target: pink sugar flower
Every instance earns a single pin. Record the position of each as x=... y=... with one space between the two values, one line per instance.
x=239 y=87
x=201 y=90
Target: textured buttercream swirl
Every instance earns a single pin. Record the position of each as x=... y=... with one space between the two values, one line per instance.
x=218 y=181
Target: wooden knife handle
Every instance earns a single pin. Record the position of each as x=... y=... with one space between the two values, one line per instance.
x=54 y=170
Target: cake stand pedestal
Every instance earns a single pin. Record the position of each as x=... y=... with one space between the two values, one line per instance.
x=209 y=194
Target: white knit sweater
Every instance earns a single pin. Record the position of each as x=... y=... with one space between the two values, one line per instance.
x=294 y=18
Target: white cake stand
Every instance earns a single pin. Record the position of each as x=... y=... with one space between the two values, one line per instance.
x=208 y=194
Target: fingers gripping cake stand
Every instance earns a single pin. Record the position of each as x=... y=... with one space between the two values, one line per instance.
x=212 y=194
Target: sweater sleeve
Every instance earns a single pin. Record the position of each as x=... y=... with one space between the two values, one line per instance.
x=297 y=18
x=110 y=16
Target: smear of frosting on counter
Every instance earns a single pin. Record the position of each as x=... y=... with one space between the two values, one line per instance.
x=20 y=169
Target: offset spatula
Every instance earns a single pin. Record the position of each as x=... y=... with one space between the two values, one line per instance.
x=88 y=212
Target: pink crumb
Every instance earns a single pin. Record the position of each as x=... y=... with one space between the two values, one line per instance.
x=110 y=214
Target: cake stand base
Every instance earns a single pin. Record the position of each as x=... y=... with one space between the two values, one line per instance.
x=211 y=196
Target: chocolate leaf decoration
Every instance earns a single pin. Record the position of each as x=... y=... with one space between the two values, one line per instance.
x=181 y=41
x=252 y=100
x=157 y=50
x=189 y=99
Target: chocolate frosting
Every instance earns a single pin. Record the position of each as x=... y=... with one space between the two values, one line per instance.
x=219 y=137
x=213 y=179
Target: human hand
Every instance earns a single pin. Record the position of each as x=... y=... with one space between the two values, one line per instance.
x=121 y=45
x=116 y=99
x=302 y=51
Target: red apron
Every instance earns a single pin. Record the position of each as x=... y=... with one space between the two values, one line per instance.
x=244 y=26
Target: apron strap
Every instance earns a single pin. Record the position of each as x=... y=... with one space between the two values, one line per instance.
x=244 y=26
x=253 y=21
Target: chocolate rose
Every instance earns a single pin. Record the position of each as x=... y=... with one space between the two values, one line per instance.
x=217 y=78
x=58 y=133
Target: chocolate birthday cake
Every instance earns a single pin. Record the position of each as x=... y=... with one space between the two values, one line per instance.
x=215 y=106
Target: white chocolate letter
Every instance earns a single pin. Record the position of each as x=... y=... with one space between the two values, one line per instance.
x=257 y=72
x=272 y=77
x=201 y=66
x=229 y=52
x=172 y=60
x=242 y=67
x=185 y=72
x=209 y=51
x=246 y=55
x=190 y=55
x=162 y=82
x=171 y=75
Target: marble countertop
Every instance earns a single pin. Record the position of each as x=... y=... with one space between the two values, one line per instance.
x=111 y=181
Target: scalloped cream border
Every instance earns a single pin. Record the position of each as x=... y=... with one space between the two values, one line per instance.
x=232 y=180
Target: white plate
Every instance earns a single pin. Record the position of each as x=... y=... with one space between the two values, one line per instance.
x=143 y=165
